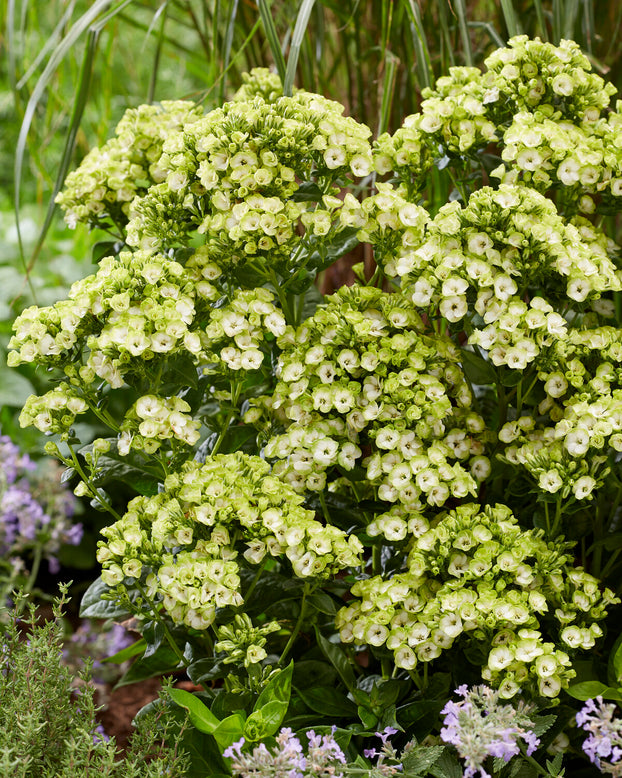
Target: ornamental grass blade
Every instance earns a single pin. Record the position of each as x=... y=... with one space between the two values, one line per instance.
x=86 y=72
x=459 y=7
x=391 y=65
x=87 y=19
x=227 y=44
x=420 y=44
x=273 y=38
x=511 y=21
x=302 y=20
x=544 y=33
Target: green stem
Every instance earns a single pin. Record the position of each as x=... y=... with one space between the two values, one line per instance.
x=34 y=570
x=534 y=763
x=558 y=518
x=255 y=581
x=325 y=510
x=610 y=562
x=223 y=432
x=299 y=621
x=75 y=463
x=167 y=634
x=376 y=560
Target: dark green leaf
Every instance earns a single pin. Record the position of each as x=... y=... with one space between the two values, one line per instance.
x=338 y=659
x=614 y=666
x=14 y=388
x=278 y=689
x=106 y=248
x=164 y=661
x=323 y=602
x=206 y=670
x=153 y=634
x=328 y=701
x=543 y=723
x=265 y=722
x=511 y=377
x=418 y=761
x=414 y=711
x=180 y=372
x=477 y=369
x=309 y=673
x=127 y=653
x=94 y=607
x=447 y=766
x=230 y=729
x=307 y=192
x=368 y=719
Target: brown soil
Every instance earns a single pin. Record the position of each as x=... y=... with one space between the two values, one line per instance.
x=123 y=704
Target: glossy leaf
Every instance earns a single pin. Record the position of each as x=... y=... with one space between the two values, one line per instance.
x=94 y=607
x=200 y=715
x=587 y=690
x=328 y=701
x=338 y=659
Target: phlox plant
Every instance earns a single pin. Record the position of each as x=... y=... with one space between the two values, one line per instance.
x=348 y=506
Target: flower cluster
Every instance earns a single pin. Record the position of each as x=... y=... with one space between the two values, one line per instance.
x=479 y=727
x=243 y=642
x=539 y=104
x=584 y=160
x=101 y=189
x=358 y=376
x=530 y=73
x=184 y=541
x=153 y=419
x=232 y=174
x=565 y=442
x=35 y=509
x=387 y=220
x=478 y=261
x=260 y=82
x=604 y=745
x=236 y=335
x=135 y=313
x=287 y=759
x=477 y=573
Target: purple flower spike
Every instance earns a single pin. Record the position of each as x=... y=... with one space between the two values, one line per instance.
x=479 y=726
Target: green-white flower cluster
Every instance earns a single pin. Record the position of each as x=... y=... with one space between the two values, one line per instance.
x=101 y=189
x=183 y=543
x=238 y=333
x=242 y=642
x=232 y=174
x=478 y=578
x=540 y=104
x=479 y=261
x=359 y=376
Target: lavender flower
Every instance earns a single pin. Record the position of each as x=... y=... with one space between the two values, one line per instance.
x=97 y=641
x=479 y=727
x=287 y=759
x=35 y=508
x=387 y=763
x=604 y=745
